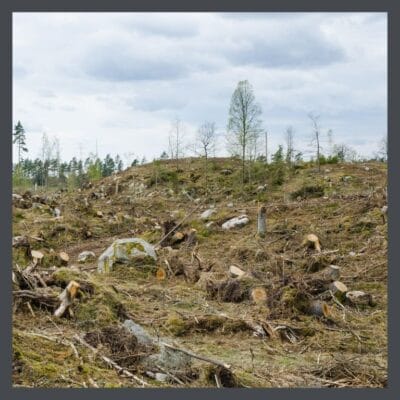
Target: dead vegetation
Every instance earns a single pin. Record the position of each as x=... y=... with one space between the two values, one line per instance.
x=302 y=305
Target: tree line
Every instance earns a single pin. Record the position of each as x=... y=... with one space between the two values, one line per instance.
x=245 y=137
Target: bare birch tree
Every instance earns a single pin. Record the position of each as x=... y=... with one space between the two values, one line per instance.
x=175 y=141
x=289 y=138
x=244 y=124
x=205 y=141
x=316 y=135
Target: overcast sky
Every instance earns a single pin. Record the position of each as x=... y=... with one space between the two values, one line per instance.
x=121 y=78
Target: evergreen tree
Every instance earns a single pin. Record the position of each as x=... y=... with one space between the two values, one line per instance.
x=19 y=140
x=164 y=155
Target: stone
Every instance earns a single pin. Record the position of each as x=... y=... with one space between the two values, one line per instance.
x=207 y=214
x=230 y=205
x=236 y=222
x=143 y=338
x=134 y=250
x=86 y=256
x=262 y=188
x=57 y=212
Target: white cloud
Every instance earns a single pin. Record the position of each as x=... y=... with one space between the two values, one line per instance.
x=120 y=78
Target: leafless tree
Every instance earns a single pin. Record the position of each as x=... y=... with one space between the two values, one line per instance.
x=244 y=124
x=176 y=141
x=205 y=141
x=289 y=138
x=316 y=135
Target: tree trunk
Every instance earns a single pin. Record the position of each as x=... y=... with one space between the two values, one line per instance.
x=261 y=222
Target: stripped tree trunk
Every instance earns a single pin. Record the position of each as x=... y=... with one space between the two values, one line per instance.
x=261 y=221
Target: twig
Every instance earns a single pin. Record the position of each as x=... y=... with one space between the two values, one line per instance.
x=170 y=375
x=221 y=364
x=110 y=362
x=28 y=304
x=217 y=381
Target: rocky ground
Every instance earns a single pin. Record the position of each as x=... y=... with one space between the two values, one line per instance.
x=282 y=317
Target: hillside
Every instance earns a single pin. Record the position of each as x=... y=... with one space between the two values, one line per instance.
x=265 y=327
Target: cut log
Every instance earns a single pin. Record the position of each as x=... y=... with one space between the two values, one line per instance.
x=64 y=258
x=359 y=298
x=178 y=237
x=338 y=289
x=258 y=295
x=312 y=241
x=67 y=297
x=236 y=272
x=161 y=274
x=37 y=255
x=319 y=309
x=261 y=221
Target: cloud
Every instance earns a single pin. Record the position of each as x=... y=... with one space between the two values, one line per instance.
x=120 y=78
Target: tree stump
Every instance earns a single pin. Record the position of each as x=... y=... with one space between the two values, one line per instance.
x=67 y=297
x=338 y=289
x=262 y=222
x=312 y=241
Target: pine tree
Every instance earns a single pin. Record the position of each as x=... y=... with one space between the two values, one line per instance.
x=19 y=140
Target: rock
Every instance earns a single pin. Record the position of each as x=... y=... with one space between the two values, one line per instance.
x=262 y=188
x=207 y=214
x=158 y=376
x=99 y=214
x=57 y=212
x=169 y=359
x=226 y=171
x=230 y=205
x=125 y=250
x=143 y=338
x=86 y=256
x=236 y=272
x=210 y=224
x=236 y=222
x=366 y=168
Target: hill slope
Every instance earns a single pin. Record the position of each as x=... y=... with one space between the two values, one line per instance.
x=187 y=296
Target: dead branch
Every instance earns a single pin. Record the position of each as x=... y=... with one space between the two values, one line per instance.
x=111 y=363
x=190 y=354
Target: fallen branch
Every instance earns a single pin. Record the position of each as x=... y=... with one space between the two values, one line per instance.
x=111 y=363
x=190 y=354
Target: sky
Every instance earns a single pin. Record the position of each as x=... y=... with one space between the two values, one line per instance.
x=115 y=81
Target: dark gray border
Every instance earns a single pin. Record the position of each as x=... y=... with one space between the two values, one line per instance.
x=8 y=6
